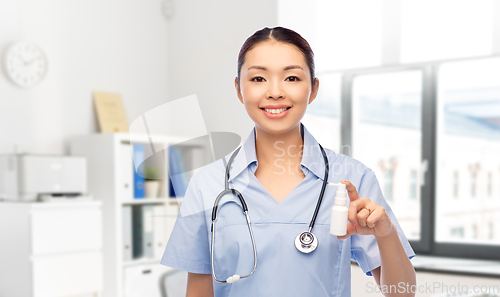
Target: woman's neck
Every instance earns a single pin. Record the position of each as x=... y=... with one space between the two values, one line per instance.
x=279 y=153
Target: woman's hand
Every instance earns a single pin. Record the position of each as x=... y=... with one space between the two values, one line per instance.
x=374 y=221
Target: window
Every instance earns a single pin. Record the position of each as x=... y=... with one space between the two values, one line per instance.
x=430 y=130
x=323 y=114
x=413 y=184
x=444 y=116
x=468 y=138
x=386 y=136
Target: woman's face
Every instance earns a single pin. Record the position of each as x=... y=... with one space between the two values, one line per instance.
x=275 y=86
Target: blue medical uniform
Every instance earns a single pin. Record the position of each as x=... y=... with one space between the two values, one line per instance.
x=281 y=269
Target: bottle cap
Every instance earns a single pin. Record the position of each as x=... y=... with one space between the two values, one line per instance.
x=341 y=195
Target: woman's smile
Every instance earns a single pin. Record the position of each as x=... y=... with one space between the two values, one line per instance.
x=275 y=112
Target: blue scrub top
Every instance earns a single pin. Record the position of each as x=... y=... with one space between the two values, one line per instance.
x=281 y=269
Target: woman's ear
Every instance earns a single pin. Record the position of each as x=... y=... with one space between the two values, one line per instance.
x=238 y=91
x=314 y=91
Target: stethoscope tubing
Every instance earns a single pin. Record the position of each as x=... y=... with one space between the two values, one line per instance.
x=227 y=190
x=325 y=181
x=244 y=206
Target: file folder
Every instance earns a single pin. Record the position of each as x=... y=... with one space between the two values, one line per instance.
x=159 y=235
x=127 y=232
x=127 y=172
x=143 y=231
x=138 y=173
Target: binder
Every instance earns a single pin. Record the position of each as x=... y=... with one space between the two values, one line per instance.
x=159 y=232
x=137 y=231
x=139 y=172
x=171 y=189
x=142 y=217
x=127 y=232
x=127 y=172
x=147 y=216
x=177 y=175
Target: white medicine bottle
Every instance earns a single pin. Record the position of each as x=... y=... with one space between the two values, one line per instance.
x=338 y=222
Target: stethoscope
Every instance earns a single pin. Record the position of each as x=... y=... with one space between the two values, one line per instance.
x=305 y=242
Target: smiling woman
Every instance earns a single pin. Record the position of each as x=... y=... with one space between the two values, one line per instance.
x=280 y=170
x=274 y=81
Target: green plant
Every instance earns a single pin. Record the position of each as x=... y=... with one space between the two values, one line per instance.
x=151 y=173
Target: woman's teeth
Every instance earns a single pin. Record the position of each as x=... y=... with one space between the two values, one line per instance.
x=276 y=110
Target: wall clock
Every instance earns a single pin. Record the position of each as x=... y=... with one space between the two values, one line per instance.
x=25 y=64
x=167 y=8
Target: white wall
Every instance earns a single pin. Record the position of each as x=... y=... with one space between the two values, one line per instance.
x=205 y=38
x=127 y=47
x=113 y=46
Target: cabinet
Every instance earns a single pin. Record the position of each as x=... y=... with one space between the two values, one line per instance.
x=51 y=249
x=110 y=180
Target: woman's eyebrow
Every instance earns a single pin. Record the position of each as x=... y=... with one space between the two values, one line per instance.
x=286 y=68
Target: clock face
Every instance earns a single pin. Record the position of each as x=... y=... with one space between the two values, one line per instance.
x=26 y=64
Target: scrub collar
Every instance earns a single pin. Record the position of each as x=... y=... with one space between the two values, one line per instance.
x=312 y=157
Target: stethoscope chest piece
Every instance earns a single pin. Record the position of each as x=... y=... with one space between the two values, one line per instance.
x=306 y=242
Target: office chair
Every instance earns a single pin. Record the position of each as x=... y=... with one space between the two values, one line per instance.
x=173 y=283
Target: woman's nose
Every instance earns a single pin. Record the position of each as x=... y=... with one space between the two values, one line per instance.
x=275 y=91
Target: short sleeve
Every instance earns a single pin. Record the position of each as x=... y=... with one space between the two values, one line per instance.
x=188 y=247
x=364 y=248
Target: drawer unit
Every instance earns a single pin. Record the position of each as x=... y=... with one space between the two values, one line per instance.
x=65 y=230
x=51 y=249
x=67 y=274
x=142 y=280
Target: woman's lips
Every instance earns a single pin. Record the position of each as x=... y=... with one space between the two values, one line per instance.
x=275 y=115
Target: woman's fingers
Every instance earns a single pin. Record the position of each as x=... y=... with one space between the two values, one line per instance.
x=351 y=229
x=355 y=207
x=351 y=190
x=363 y=213
x=374 y=218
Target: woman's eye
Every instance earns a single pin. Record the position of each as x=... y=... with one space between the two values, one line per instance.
x=293 y=78
x=257 y=79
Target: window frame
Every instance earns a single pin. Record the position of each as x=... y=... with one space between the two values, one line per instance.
x=427 y=245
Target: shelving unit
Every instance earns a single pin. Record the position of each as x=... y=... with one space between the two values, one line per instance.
x=110 y=167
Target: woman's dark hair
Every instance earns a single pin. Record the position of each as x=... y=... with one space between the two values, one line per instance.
x=279 y=34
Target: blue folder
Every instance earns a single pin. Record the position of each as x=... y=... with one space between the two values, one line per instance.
x=139 y=172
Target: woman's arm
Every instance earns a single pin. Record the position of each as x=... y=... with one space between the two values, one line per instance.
x=199 y=285
x=396 y=274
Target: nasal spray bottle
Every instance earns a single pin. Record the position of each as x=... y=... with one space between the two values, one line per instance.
x=338 y=223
